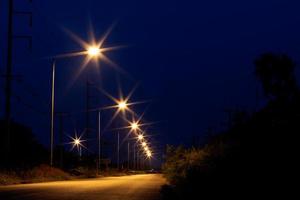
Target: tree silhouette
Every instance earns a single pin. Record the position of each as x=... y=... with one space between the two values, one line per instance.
x=25 y=149
x=276 y=73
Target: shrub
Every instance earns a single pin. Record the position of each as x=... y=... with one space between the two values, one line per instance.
x=45 y=173
x=8 y=178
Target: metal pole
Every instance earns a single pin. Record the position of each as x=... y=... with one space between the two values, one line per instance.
x=87 y=117
x=137 y=159
x=128 y=156
x=61 y=145
x=52 y=113
x=80 y=152
x=99 y=140
x=8 y=81
x=118 y=148
x=134 y=167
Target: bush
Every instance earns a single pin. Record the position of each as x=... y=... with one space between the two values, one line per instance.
x=8 y=178
x=86 y=172
x=45 y=173
x=189 y=170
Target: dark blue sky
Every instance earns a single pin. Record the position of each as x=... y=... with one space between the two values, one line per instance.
x=193 y=58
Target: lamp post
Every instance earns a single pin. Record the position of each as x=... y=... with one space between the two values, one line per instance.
x=52 y=112
x=92 y=52
x=122 y=106
x=149 y=155
x=128 y=145
x=99 y=141
x=118 y=152
x=77 y=142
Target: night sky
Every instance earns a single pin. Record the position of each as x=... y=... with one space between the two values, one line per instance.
x=192 y=59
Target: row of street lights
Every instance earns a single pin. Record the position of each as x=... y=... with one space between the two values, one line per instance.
x=134 y=127
x=93 y=51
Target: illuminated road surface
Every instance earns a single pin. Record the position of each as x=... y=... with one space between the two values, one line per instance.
x=135 y=187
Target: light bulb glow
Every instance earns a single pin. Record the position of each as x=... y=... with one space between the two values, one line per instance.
x=76 y=141
x=93 y=51
x=122 y=105
x=134 y=126
x=140 y=137
x=149 y=154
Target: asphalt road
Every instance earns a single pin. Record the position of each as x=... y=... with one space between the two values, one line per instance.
x=135 y=187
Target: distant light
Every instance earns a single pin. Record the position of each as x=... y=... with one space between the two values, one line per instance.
x=134 y=126
x=140 y=137
x=146 y=148
x=144 y=144
x=93 y=51
x=77 y=142
x=149 y=154
x=122 y=105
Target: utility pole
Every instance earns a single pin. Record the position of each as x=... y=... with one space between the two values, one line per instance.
x=87 y=116
x=9 y=76
x=61 y=116
x=52 y=114
x=128 y=161
x=8 y=81
x=118 y=151
x=134 y=157
x=99 y=142
x=137 y=159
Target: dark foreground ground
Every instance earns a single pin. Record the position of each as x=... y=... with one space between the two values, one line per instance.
x=139 y=187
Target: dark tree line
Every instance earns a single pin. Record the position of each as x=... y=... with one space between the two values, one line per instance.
x=25 y=150
x=256 y=157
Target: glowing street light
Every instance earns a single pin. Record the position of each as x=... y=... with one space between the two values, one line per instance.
x=93 y=51
x=146 y=148
x=140 y=137
x=122 y=105
x=77 y=142
x=134 y=125
x=144 y=144
x=149 y=154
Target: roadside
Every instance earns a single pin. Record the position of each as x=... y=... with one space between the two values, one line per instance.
x=133 y=187
x=45 y=173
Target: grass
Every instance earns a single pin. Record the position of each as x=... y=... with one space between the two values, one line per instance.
x=9 y=178
x=40 y=173
x=44 y=173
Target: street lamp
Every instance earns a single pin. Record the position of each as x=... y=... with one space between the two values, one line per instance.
x=149 y=154
x=77 y=142
x=140 y=137
x=134 y=126
x=92 y=51
x=122 y=105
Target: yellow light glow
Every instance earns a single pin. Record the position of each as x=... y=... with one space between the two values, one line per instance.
x=146 y=148
x=144 y=144
x=76 y=141
x=122 y=105
x=149 y=154
x=93 y=51
x=134 y=126
x=140 y=137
